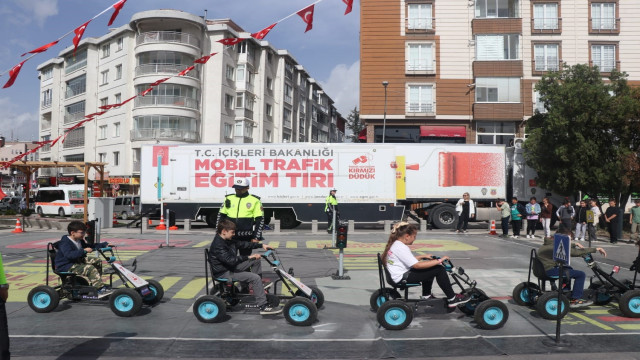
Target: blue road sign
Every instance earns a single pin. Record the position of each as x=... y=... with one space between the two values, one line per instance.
x=562 y=249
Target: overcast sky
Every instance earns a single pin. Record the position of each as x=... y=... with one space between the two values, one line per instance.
x=329 y=52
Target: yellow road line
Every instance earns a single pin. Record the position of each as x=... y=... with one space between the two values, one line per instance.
x=292 y=244
x=274 y=244
x=629 y=326
x=202 y=244
x=598 y=312
x=592 y=322
x=15 y=262
x=190 y=290
x=168 y=281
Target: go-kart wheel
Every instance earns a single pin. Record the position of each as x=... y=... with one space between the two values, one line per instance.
x=300 y=311
x=157 y=293
x=317 y=297
x=43 y=299
x=491 y=314
x=125 y=302
x=209 y=309
x=395 y=315
x=273 y=300
x=630 y=303
x=600 y=294
x=476 y=297
x=547 y=305
x=377 y=298
x=524 y=294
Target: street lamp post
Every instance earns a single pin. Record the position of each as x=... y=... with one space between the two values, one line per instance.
x=384 y=118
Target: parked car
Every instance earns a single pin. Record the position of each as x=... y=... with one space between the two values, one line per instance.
x=10 y=203
x=127 y=206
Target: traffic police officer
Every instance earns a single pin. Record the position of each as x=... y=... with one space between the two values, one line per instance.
x=245 y=210
x=331 y=205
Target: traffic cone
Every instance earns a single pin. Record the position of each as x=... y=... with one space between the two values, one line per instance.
x=162 y=226
x=493 y=228
x=174 y=227
x=18 y=228
x=115 y=219
x=150 y=222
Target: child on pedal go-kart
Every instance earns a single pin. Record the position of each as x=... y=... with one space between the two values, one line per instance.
x=71 y=256
x=226 y=263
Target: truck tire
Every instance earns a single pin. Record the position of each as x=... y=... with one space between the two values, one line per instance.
x=287 y=219
x=211 y=219
x=444 y=216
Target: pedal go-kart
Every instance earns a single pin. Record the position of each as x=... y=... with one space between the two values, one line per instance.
x=604 y=288
x=124 y=301
x=536 y=295
x=394 y=313
x=300 y=309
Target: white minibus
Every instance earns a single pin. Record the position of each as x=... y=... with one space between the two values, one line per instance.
x=62 y=200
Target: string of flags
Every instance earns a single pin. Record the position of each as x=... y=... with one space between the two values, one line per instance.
x=306 y=14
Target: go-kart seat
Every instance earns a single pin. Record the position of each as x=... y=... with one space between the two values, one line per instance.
x=386 y=276
x=541 y=274
x=52 y=248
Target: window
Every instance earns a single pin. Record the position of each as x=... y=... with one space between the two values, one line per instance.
x=269 y=110
x=118 y=72
x=104 y=101
x=267 y=136
x=288 y=93
x=46 y=147
x=230 y=71
x=106 y=50
x=545 y=16
x=239 y=100
x=499 y=89
x=102 y=132
x=497 y=8
x=47 y=97
x=269 y=83
x=116 y=158
x=116 y=129
x=420 y=99
x=420 y=17
x=288 y=71
x=118 y=98
x=228 y=131
x=105 y=77
x=228 y=101
x=604 y=57
x=286 y=118
x=46 y=74
x=102 y=157
x=546 y=57
x=240 y=74
x=77 y=62
x=303 y=104
x=76 y=86
x=495 y=132
x=120 y=44
x=249 y=102
x=420 y=57
x=538 y=105
x=603 y=16
x=497 y=47
x=74 y=138
x=74 y=112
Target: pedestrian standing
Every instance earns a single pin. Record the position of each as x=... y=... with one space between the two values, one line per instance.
x=505 y=215
x=466 y=210
x=565 y=214
x=581 y=221
x=517 y=214
x=533 y=212
x=634 y=219
x=546 y=212
x=4 y=328
x=593 y=220
x=611 y=217
x=331 y=206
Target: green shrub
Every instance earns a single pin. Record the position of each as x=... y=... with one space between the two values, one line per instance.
x=10 y=212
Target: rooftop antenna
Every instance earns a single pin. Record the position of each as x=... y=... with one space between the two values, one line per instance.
x=205 y=15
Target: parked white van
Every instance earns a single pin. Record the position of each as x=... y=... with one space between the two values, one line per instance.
x=62 y=200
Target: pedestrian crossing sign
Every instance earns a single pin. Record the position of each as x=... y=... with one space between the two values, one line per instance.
x=562 y=249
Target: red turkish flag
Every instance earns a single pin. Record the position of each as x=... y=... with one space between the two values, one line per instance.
x=13 y=74
x=79 y=32
x=107 y=107
x=158 y=82
x=307 y=16
x=129 y=99
x=231 y=41
x=204 y=59
x=116 y=10
x=146 y=91
x=95 y=114
x=186 y=71
x=262 y=33
x=349 y=6
x=42 y=48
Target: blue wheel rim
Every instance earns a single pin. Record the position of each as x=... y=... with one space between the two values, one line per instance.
x=493 y=315
x=634 y=304
x=603 y=297
x=314 y=298
x=524 y=295
x=381 y=300
x=551 y=307
x=208 y=310
x=299 y=313
x=41 y=300
x=152 y=295
x=395 y=316
x=123 y=303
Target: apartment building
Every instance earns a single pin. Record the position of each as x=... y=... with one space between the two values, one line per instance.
x=464 y=71
x=12 y=180
x=248 y=93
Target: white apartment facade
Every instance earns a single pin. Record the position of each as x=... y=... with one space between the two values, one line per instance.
x=247 y=93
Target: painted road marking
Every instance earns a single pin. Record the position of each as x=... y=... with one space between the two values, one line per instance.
x=592 y=322
x=274 y=244
x=168 y=281
x=629 y=326
x=292 y=244
x=202 y=244
x=189 y=291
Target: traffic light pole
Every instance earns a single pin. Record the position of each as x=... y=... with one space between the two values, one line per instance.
x=166 y=237
x=334 y=230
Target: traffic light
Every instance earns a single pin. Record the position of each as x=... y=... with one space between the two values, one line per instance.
x=341 y=235
x=172 y=218
x=90 y=237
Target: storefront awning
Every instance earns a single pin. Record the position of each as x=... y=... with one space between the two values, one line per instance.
x=363 y=134
x=443 y=131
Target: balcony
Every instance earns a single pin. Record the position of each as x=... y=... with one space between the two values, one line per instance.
x=165 y=69
x=166 y=100
x=541 y=65
x=153 y=37
x=69 y=118
x=75 y=89
x=604 y=26
x=420 y=109
x=46 y=103
x=165 y=134
x=71 y=67
x=420 y=67
x=420 y=25
x=551 y=25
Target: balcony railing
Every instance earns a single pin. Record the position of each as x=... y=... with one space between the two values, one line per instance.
x=420 y=24
x=165 y=68
x=545 y=23
x=75 y=89
x=69 y=118
x=167 y=37
x=153 y=100
x=165 y=134
x=75 y=66
x=46 y=103
x=420 y=108
x=546 y=64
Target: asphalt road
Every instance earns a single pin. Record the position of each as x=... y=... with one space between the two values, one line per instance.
x=346 y=326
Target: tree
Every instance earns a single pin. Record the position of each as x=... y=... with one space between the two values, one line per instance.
x=354 y=124
x=587 y=138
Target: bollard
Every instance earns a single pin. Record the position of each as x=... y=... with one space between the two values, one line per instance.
x=187 y=224
x=144 y=224
x=352 y=226
x=276 y=226
x=314 y=226
x=387 y=226
x=423 y=225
